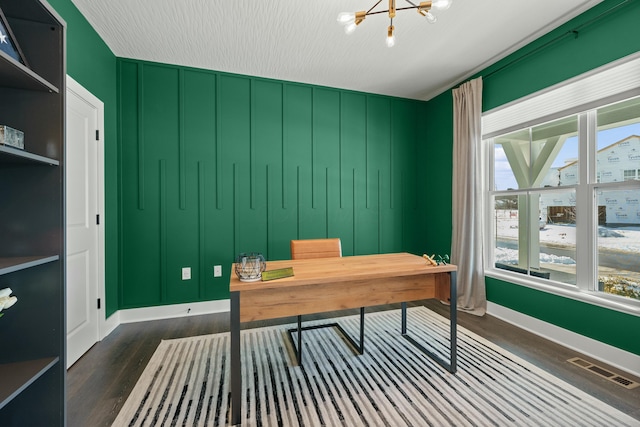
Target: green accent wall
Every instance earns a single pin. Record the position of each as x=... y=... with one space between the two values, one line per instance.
x=92 y=64
x=434 y=197
x=215 y=164
x=601 y=35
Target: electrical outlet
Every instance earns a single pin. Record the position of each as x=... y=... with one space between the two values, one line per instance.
x=217 y=271
x=186 y=273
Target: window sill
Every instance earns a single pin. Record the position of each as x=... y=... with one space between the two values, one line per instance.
x=611 y=302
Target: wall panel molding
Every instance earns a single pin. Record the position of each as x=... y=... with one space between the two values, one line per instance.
x=252 y=143
x=141 y=141
x=162 y=169
x=218 y=149
x=182 y=162
x=202 y=228
x=247 y=164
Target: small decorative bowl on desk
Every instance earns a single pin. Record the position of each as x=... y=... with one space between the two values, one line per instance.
x=249 y=267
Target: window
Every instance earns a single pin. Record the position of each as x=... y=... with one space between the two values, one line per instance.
x=631 y=174
x=565 y=202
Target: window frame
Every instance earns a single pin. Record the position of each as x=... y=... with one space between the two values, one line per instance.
x=586 y=288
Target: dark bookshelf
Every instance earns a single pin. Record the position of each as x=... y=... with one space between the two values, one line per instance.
x=33 y=331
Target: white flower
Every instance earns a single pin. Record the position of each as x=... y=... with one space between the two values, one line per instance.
x=6 y=300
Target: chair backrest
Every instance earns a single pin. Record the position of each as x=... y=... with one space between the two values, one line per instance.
x=316 y=248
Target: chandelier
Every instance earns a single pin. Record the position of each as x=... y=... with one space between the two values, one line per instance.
x=352 y=19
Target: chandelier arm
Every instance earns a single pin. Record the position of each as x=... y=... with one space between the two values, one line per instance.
x=373 y=7
x=387 y=11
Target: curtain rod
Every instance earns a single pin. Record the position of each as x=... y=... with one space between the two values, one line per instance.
x=575 y=32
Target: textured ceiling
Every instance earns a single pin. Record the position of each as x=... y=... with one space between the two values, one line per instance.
x=301 y=41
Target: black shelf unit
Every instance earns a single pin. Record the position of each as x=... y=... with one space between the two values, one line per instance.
x=32 y=220
x=11 y=155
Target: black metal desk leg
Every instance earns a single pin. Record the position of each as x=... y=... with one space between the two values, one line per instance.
x=361 y=330
x=403 y=329
x=451 y=366
x=235 y=362
x=299 y=340
x=359 y=348
x=453 y=320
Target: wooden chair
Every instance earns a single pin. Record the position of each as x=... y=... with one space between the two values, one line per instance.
x=321 y=248
x=316 y=248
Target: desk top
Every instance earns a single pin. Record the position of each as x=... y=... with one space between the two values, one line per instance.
x=342 y=269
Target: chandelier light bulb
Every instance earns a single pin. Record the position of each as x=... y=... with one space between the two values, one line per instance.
x=441 y=4
x=350 y=28
x=346 y=17
x=431 y=18
x=391 y=38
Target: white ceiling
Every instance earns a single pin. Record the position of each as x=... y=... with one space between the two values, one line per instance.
x=301 y=41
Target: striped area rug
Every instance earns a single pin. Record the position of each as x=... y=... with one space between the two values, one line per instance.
x=186 y=382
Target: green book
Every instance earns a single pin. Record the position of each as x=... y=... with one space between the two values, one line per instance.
x=278 y=273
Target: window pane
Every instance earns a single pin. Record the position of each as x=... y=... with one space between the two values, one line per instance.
x=557 y=235
x=536 y=235
x=618 y=242
x=507 y=149
x=555 y=153
x=543 y=156
x=618 y=137
x=507 y=229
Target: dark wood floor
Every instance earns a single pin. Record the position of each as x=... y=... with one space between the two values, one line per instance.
x=100 y=382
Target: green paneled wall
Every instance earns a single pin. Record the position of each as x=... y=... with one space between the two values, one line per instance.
x=214 y=164
x=603 y=34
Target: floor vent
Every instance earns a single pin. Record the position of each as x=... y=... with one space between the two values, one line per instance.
x=605 y=373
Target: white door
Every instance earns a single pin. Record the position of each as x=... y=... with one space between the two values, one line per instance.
x=83 y=249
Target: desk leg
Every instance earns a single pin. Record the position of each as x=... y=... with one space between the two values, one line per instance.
x=345 y=335
x=361 y=330
x=235 y=362
x=404 y=319
x=453 y=330
x=453 y=320
x=299 y=340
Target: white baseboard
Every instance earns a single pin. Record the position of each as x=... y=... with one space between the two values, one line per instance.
x=169 y=311
x=109 y=325
x=606 y=353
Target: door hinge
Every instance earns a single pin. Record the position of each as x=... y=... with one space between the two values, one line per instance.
x=98 y=219
x=97 y=135
x=98 y=303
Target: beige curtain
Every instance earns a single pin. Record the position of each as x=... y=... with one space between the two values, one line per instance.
x=468 y=211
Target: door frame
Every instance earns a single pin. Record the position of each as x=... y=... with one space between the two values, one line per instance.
x=89 y=98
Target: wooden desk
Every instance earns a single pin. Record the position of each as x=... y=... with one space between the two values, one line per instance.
x=329 y=284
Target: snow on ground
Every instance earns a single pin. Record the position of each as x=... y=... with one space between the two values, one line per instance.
x=510 y=256
x=559 y=234
x=624 y=239
x=614 y=239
